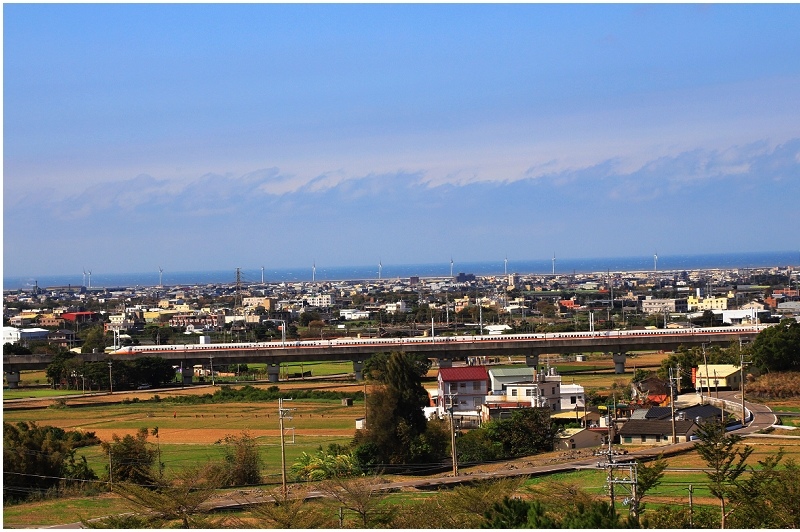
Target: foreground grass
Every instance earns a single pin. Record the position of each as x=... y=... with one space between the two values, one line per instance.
x=63 y=510
x=36 y=393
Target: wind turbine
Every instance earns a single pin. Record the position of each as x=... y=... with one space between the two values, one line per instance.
x=505 y=266
x=90 y=278
x=314 y=272
x=380 y=267
x=84 y=277
x=451 y=266
x=655 y=262
x=554 y=263
x=262 y=275
x=160 y=276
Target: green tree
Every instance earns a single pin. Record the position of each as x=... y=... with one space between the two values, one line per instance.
x=648 y=476
x=154 y=371
x=37 y=458
x=362 y=496
x=778 y=348
x=767 y=497
x=396 y=424
x=95 y=340
x=180 y=500
x=15 y=349
x=286 y=511
x=476 y=446
x=131 y=458
x=323 y=465
x=725 y=459
x=527 y=431
x=546 y=308
x=307 y=317
x=57 y=369
x=242 y=462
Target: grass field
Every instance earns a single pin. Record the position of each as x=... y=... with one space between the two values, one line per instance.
x=187 y=436
x=37 y=393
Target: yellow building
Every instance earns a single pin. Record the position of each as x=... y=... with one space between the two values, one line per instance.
x=716 y=376
x=707 y=303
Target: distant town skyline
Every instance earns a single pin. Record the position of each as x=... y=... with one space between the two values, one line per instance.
x=192 y=136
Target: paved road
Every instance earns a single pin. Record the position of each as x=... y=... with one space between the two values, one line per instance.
x=762 y=418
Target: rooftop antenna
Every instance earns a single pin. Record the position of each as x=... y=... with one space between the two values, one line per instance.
x=160 y=274
x=451 y=266
x=262 y=275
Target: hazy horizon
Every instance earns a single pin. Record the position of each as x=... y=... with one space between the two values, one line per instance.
x=189 y=136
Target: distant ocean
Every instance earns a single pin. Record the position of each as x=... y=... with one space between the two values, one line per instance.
x=393 y=271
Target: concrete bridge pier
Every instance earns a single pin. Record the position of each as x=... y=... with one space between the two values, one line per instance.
x=186 y=375
x=532 y=361
x=12 y=378
x=358 y=369
x=619 y=362
x=273 y=372
x=444 y=362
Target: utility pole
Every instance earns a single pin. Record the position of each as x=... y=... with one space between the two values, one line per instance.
x=691 y=507
x=212 y=370
x=283 y=413
x=672 y=404
x=626 y=480
x=705 y=361
x=741 y=378
x=110 y=381
x=450 y=397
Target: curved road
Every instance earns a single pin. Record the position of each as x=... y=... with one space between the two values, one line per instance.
x=762 y=418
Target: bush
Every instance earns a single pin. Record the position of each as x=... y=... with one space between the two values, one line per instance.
x=775 y=386
x=242 y=461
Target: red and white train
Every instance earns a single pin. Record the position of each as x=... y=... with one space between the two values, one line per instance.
x=389 y=342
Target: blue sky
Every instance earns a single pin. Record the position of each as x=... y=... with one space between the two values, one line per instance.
x=207 y=136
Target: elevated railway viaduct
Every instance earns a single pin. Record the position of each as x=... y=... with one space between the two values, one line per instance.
x=444 y=349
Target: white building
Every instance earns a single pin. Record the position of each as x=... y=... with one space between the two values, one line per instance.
x=514 y=385
x=353 y=314
x=319 y=300
x=13 y=335
x=572 y=395
x=394 y=308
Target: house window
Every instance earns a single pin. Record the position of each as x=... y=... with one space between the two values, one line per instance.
x=644 y=438
x=554 y=391
x=462 y=385
x=513 y=392
x=628 y=439
x=658 y=438
x=573 y=400
x=476 y=385
x=529 y=392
